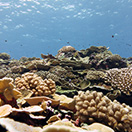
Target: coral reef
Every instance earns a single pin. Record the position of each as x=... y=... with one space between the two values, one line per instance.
x=94 y=107
x=36 y=84
x=120 y=79
x=26 y=83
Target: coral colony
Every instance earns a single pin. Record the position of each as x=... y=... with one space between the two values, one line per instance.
x=82 y=91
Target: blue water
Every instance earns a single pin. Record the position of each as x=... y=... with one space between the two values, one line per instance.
x=31 y=27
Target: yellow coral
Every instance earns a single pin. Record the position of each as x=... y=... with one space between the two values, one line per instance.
x=36 y=84
x=8 y=90
x=93 y=106
x=5 y=110
x=6 y=83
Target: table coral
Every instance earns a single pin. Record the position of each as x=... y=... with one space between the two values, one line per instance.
x=36 y=84
x=93 y=106
x=120 y=79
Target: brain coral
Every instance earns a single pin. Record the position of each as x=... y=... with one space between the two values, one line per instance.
x=36 y=84
x=94 y=107
x=120 y=79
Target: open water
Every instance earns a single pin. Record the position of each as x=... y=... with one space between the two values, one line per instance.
x=31 y=27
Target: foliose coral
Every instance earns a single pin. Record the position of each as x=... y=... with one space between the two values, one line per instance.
x=36 y=84
x=120 y=79
x=92 y=106
x=7 y=90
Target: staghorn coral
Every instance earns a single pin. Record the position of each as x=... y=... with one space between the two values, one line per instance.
x=93 y=106
x=120 y=79
x=36 y=84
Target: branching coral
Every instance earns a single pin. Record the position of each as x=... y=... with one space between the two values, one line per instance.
x=93 y=106
x=120 y=79
x=36 y=84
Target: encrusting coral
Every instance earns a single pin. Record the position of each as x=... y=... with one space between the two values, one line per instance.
x=95 y=75
x=120 y=79
x=35 y=83
x=92 y=106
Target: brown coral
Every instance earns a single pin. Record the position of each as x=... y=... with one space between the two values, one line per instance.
x=36 y=84
x=93 y=106
x=120 y=79
x=7 y=89
x=66 y=49
x=95 y=75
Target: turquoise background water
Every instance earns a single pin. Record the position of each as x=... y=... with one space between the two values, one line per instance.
x=31 y=27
